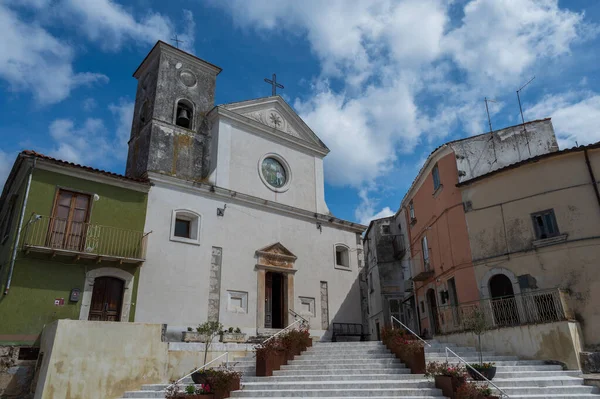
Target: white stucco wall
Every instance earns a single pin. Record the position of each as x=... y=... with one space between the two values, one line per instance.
x=174 y=281
x=478 y=155
x=236 y=167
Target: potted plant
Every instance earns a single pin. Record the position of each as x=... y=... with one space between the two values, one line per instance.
x=270 y=356
x=233 y=335
x=447 y=377
x=208 y=331
x=190 y=392
x=294 y=342
x=410 y=351
x=223 y=381
x=477 y=324
x=470 y=390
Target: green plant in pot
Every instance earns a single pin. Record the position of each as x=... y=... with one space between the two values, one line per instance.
x=209 y=330
x=477 y=324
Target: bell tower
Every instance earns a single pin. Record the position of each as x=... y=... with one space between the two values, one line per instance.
x=170 y=133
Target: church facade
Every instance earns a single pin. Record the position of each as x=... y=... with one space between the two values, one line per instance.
x=241 y=232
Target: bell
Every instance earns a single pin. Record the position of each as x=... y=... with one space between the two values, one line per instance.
x=183 y=118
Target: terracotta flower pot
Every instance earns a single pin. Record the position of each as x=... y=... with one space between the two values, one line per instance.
x=265 y=365
x=448 y=384
x=199 y=396
x=234 y=385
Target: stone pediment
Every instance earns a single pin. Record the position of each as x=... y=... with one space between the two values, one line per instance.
x=276 y=255
x=276 y=114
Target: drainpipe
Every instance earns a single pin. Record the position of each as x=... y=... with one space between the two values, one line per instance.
x=16 y=245
x=589 y=166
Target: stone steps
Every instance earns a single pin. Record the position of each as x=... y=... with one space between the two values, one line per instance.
x=368 y=369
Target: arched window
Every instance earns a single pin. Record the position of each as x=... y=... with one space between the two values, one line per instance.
x=342 y=256
x=184 y=114
x=185 y=226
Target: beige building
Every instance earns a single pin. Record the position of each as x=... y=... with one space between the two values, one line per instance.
x=534 y=226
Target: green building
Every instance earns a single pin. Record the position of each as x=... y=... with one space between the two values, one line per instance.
x=72 y=243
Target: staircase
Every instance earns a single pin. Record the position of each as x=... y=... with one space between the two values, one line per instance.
x=341 y=370
x=328 y=370
x=368 y=369
x=521 y=378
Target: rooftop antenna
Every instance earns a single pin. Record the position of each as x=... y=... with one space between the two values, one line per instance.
x=487 y=100
x=521 y=109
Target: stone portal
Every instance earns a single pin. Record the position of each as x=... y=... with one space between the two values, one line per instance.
x=275 y=278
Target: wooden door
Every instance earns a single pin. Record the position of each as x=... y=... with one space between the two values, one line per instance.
x=268 y=300
x=107 y=299
x=68 y=225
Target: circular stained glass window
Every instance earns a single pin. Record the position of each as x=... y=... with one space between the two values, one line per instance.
x=274 y=172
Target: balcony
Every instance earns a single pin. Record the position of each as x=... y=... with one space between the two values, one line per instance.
x=44 y=234
x=421 y=273
x=535 y=307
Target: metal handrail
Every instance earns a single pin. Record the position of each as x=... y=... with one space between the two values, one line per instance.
x=279 y=332
x=502 y=393
x=296 y=315
x=200 y=368
x=411 y=331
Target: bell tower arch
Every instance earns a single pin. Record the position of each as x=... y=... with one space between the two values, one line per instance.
x=170 y=133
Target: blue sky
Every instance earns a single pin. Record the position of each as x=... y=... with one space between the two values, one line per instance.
x=382 y=82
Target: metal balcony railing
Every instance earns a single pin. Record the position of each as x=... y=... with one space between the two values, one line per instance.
x=421 y=270
x=536 y=307
x=84 y=240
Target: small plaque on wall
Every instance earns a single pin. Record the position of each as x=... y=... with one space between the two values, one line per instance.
x=75 y=294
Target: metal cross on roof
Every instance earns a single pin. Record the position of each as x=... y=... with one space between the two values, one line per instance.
x=274 y=84
x=176 y=40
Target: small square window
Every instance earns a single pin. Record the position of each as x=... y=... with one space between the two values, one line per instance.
x=435 y=173
x=182 y=228
x=544 y=224
x=185 y=226
x=385 y=229
x=342 y=257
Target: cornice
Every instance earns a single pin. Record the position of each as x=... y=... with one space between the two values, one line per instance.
x=214 y=192
x=267 y=132
x=276 y=269
x=91 y=176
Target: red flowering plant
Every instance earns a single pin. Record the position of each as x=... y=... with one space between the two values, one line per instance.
x=471 y=390
x=445 y=369
x=395 y=338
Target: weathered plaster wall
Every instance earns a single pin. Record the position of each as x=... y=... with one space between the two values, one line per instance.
x=440 y=216
x=39 y=279
x=181 y=270
x=560 y=341
x=502 y=231
x=157 y=144
x=237 y=168
x=101 y=360
x=482 y=154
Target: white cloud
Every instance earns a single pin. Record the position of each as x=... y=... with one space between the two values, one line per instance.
x=499 y=40
x=6 y=161
x=123 y=113
x=88 y=144
x=112 y=26
x=366 y=212
x=575 y=117
x=35 y=61
x=89 y=104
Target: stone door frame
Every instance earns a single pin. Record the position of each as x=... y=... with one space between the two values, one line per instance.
x=277 y=259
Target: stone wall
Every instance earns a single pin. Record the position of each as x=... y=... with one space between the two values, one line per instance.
x=560 y=341
x=15 y=375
